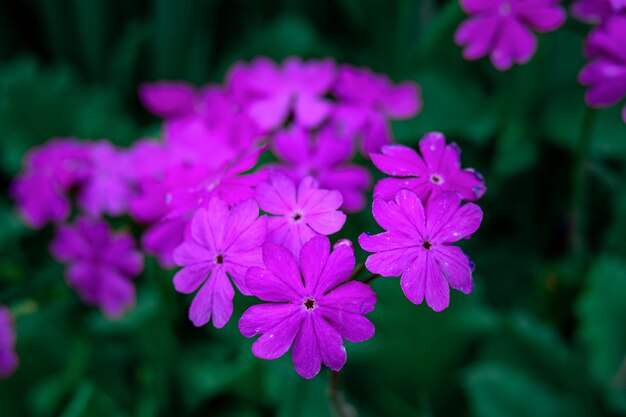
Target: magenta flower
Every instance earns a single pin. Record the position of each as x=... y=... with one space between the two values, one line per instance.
x=326 y=157
x=437 y=169
x=297 y=87
x=8 y=358
x=298 y=214
x=101 y=264
x=222 y=243
x=312 y=307
x=50 y=170
x=368 y=100
x=503 y=29
x=417 y=245
x=605 y=75
x=596 y=11
x=169 y=99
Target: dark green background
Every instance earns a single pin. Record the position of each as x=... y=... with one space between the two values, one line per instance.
x=544 y=332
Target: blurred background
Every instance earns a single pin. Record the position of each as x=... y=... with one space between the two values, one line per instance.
x=543 y=333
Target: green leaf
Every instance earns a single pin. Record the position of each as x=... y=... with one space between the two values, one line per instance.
x=516 y=150
x=602 y=313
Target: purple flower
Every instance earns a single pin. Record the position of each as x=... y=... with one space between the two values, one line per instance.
x=596 y=11
x=605 y=74
x=50 y=170
x=8 y=358
x=417 y=245
x=368 y=100
x=221 y=243
x=298 y=214
x=503 y=28
x=297 y=87
x=101 y=264
x=312 y=307
x=169 y=99
x=438 y=169
x=326 y=157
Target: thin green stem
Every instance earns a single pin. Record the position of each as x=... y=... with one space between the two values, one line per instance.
x=338 y=404
x=359 y=268
x=370 y=278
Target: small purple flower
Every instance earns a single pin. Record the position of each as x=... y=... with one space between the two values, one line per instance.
x=297 y=87
x=298 y=214
x=605 y=74
x=368 y=100
x=312 y=307
x=438 y=169
x=503 y=29
x=50 y=170
x=326 y=157
x=101 y=264
x=596 y=11
x=8 y=358
x=169 y=99
x=221 y=243
x=417 y=245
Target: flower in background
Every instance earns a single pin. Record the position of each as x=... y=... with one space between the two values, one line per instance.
x=312 y=307
x=298 y=214
x=221 y=243
x=50 y=171
x=596 y=11
x=297 y=88
x=503 y=29
x=437 y=169
x=417 y=245
x=366 y=101
x=101 y=264
x=8 y=358
x=605 y=74
x=170 y=99
x=326 y=157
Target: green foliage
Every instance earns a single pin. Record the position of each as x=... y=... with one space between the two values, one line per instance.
x=543 y=332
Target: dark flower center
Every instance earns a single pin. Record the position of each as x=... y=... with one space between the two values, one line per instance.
x=436 y=179
x=309 y=304
x=297 y=216
x=219 y=259
x=427 y=245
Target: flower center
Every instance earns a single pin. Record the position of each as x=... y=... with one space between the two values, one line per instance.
x=427 y=245
x=219 y=259
x=436 y=179
x=309 y=304
x=296 y=216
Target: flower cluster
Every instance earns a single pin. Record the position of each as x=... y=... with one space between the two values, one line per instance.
x=204 y=202
x=503 y=29
x=605 y=74
x=422 y=216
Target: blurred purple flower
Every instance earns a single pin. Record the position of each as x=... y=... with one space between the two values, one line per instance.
x=300 y=214
x=605 y=74
x=503 y=29
x=220 y=242
x=50 y=170
x=8 y=358
x=101 y=264
x=366 y=101
x=297 y=86
x=596 y=11
x=312 y=307
x=170 y=99
x=417 y=245
x=437 y=169
x=326 y=157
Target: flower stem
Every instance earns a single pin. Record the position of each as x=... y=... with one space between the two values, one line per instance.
x=370 y=278
x=338 y=404
x=359 y=268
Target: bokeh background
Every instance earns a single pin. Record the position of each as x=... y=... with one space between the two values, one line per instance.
x=544 y=332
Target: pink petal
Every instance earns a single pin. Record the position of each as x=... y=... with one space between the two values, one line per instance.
x=440 y=210
x=351 y=181
x=478 y=35
x=313 y=258
x=403 y=101
x=332 y=148
x=330 y=344
x=516 y=44
x=433 y=150
x=387 y=188
x=544 y=18
x=118 y=294
x=244 y=230
x=268 y=287
x=167 y=99
x=455 y=266
x=413 y=281
x=291 y=145
x=306 y=354
x=261 y=318
x=390 y=262
x=468 y=183
x=276 y=341
x=270 y=113
x=277 y=195
x=352 y=297
x=351 y=326
x=311 y=111
x=214 y=300
x=339 y=266
x=462 y=224
x=391 y=217
x=237 y=265
x=437 y=289
x=189 y=279
x=189 y=253
x=207 y=225
x=399 y=161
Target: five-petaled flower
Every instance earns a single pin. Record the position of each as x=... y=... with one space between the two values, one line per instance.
x=417 y=245
x=221 y=243
x=437 y=170
x=311 y=307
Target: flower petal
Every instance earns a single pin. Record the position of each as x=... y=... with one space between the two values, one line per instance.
x=399 y=161
x=215 y=299
x=330 y=343
x=261 y=318
x=277 y=195
x=306 y=354
x=455 y=266
x=189 y=279
x=276 y=341
x=268 y=287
